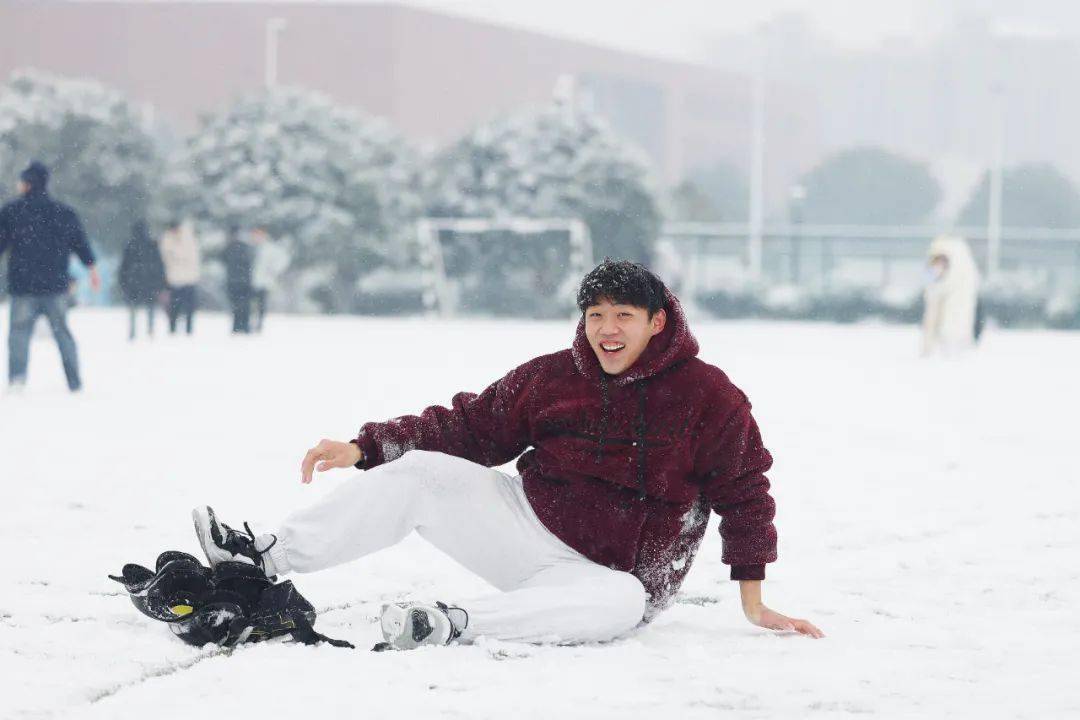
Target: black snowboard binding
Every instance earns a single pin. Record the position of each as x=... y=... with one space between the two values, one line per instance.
x=228 y=605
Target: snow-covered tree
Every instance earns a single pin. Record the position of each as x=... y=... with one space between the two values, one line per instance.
x=869 y=186
x=1033 y=195
x=338 y=187
x=559 y=161
x=103 y=159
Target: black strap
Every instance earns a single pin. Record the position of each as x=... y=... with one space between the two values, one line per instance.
x=305 y=633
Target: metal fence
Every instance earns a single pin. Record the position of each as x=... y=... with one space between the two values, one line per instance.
x=822 y=257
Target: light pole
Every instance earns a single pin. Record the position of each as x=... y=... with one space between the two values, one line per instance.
x=274 y=26
x=756 y=210
x=795 y=211
x=993 y=214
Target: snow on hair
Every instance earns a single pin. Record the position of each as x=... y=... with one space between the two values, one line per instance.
x=622 y=281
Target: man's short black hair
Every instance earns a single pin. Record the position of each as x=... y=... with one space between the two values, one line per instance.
x=622 y=282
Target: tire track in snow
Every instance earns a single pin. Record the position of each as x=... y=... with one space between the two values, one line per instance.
x=159 y=672
x=178 y=667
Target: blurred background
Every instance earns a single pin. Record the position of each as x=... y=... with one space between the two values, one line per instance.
x=791 y=160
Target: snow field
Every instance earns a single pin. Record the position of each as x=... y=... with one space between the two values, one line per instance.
x=929 y=522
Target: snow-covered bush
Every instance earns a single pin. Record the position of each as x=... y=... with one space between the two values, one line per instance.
x=96 y=143
x=1016 y=299
x=338 y=187
x=554 y=162
x=843 y=304
x=1063 y=309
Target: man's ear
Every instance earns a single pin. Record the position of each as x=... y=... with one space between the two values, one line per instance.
x=658 y=322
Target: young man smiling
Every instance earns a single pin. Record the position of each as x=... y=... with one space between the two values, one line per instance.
x=629 y=441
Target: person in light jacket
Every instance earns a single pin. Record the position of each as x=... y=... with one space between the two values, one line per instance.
x=271 y=260
x=180 y=252
x=951 y=297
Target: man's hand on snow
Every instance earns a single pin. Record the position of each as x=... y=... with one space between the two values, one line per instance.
x=329 y=454
x=772 y=620
x=758 y=614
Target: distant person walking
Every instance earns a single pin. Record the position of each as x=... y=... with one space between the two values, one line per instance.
x=951 y=297
x=239 y=259
x=271 y=260
x=41 y=234
x=180 y=253
x=142 y=276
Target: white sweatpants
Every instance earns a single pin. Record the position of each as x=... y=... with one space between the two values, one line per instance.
x=481 y=518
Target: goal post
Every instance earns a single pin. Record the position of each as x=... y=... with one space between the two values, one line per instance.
x=439 y=295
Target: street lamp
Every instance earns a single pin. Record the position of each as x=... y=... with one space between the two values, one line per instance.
x=756 y=211
x=274 y=26
x=993 y=214
x=795 y=210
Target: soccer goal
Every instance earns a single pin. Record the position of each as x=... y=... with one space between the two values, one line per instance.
x=518 y=267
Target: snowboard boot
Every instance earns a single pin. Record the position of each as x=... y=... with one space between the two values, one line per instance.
x=221 y=543
x=407 y=626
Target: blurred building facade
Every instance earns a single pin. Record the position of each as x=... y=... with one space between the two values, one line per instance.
x=946 y=100
x=433 y=76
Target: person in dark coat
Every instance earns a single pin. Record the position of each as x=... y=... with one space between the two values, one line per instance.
x=239 y=261
x=41 y=234
x=142 y=276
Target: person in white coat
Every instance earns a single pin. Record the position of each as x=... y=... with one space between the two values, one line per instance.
x=951 y=297
x=271 y=260
x=182 y=258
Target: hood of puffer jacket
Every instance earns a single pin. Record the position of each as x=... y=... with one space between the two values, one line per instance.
x=963 y=271
x=674 y=344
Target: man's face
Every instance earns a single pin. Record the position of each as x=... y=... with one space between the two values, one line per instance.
x=23 y=187
x=619 y=334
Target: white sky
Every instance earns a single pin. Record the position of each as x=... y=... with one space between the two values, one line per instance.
x=689 y=29
x=693 y=30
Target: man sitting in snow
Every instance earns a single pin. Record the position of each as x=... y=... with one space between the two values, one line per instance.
x=628 y=439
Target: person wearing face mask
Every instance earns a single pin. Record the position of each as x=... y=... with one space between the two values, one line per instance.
x=626 y=443
x=950 y=297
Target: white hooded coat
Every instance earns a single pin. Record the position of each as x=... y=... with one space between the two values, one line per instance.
x=949 y=316
x=180 y=252
x=271 y=260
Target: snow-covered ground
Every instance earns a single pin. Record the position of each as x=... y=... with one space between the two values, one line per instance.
x=929 y=516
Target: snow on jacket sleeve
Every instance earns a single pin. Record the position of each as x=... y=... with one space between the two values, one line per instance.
x=490 y=428
x=732 y=461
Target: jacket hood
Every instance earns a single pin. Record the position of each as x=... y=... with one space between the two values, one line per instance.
x=674 y=344
x=962 y=267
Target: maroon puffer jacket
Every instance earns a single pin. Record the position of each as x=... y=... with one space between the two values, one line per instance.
x=623 y=469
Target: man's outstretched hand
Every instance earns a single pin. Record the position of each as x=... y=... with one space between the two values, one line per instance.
x=758 y=614
x=329 y=454
x=772 y=620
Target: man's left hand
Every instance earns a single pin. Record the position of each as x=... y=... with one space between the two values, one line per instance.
x=772 y=620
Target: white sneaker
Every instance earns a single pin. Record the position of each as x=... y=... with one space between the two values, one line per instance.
x=407 y=626
x=223 y=544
